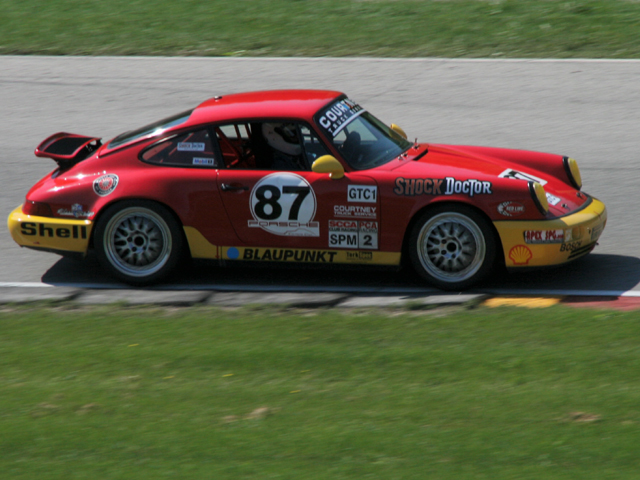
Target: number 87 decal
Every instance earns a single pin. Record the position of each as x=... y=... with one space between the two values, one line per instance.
x=284 y=204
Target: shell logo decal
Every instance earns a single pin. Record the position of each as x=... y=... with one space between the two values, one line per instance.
x=520 y=255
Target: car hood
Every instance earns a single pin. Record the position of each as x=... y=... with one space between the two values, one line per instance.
x=495 y=165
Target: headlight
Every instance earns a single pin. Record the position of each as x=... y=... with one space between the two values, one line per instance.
x=539 y=197
x=573 y=172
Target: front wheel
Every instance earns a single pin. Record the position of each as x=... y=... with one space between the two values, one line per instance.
x=138 y=242
x=452 y=247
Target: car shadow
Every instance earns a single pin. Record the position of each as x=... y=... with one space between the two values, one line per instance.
x=596 y=273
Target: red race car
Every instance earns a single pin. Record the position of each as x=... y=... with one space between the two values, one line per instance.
x=303 y=176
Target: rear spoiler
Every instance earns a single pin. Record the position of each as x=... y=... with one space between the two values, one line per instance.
x=67 y=149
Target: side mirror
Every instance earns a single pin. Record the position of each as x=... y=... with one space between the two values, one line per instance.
x=328 y=164
x=398 y=130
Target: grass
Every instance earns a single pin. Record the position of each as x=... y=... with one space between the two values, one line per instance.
x=380 y=28
x=118 y=392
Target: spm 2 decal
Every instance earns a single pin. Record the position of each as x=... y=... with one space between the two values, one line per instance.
x=353 y=234
x=284 y=204
x=438 y=186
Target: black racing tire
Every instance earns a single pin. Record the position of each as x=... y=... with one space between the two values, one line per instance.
x=453 y=247
x=138 y=241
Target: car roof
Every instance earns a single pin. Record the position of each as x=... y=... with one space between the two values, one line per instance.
x=264 y=104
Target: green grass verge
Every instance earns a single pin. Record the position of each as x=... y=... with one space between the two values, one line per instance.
x=388 y=28
x=118 y=392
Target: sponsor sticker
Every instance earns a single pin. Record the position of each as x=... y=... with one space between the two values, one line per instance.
x=33 y=229
x=552 y=199
x=511 y=209
x=353 y=234
x=362 y=193
x=516 y=175
x=286 y=255
x=191 y=147
x=439 y=186
x=366 y=256
x=76 y=211
x=354 y=211
x=204 y=161
x=284 y=204
x=570 y=246
x=105 y=184
x=544 y=236
x=520 y=255
x=339 y=115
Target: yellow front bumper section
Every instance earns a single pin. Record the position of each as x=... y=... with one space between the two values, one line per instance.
x=552 y=242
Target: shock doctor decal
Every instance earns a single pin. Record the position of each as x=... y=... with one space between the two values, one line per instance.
x=284 y=204
x=438 y=186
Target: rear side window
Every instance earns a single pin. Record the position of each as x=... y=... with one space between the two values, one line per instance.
x=193 y=149
x=153 y=129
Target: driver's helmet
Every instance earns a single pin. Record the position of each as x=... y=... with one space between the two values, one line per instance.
x=283 y=137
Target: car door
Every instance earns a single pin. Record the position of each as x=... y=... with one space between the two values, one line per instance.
x=288 y=205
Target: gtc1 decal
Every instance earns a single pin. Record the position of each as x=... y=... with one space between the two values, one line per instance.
x=105 y=184
x=437 y=186
x=511 y=209
x=510 y=173
x=362 y=193
x=284 y=204
x=354 y=211
x=353 y=234
x=544 y=236
x=520 y=255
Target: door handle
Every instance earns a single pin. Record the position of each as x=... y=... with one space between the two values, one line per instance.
x=227 y=187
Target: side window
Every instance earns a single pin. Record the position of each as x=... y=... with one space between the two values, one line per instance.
x=313 y=147
x=193 y=149
x=277 y=144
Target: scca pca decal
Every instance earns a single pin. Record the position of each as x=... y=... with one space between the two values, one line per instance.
x=353 y=234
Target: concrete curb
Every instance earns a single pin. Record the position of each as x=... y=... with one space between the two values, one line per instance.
x=185 y=298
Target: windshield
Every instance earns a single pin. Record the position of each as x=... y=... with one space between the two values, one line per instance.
x=153 y=129
x=363 y=141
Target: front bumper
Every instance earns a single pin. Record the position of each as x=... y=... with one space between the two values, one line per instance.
x=51 y=234
x=552 y=242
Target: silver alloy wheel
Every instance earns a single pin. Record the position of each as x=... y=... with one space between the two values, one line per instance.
x=451 y=247
x=137 y=241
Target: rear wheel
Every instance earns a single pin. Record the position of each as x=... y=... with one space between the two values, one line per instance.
x=138 y=242
x=452 y=247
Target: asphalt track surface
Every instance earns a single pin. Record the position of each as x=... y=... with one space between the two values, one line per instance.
x=588 y=109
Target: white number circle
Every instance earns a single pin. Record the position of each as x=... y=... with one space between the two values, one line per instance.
x=284 y=204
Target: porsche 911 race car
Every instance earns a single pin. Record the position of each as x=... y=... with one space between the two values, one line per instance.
x=303 y=176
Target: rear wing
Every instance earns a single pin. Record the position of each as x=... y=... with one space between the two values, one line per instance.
x=67 y=149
